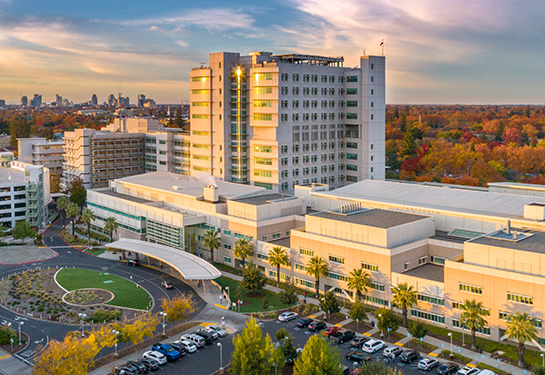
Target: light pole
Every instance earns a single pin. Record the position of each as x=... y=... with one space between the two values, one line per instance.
x=542 y=360
x=20 y=324
x=228 y=292
x=115 y=345
x=221 y=357
x=82 y=316
x=164 y=315
x=450 y=334
x=381 y=332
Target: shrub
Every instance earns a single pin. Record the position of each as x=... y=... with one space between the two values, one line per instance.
x=288 y=296
x=6 y=334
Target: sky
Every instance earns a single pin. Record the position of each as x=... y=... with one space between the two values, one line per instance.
x=437 y=51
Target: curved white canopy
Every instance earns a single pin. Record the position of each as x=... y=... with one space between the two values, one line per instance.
x=191 y=267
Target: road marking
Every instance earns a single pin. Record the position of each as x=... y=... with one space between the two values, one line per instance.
x=471 y=365
x=434 y=354
x=367 y=334
x=205 y=324
x=399 y=344
x=338 y=325
x=5 y=356
x=220 y=306
x=312 y=316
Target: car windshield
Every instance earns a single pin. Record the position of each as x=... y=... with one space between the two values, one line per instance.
x=171 y=349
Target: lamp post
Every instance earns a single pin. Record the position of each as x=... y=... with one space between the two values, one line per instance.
x=164 y=315
x=115 y=345
x=228 y=292
x=381 y=332
x=221 y=357
x=450 y=334
x=82 y=316
x=20 y=324
x=542 y=360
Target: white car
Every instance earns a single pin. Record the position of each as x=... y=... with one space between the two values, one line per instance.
x=427 y=364
x=287 y=316
x=198 y=341
x=220 y=331
x=153 y=354
x=487 y=372
x=468 y=371
x=189 y=346
x=373 y=346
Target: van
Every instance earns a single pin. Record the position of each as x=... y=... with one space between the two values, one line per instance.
x=195 y=339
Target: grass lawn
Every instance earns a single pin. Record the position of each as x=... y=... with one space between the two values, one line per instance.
x=127 y=293
x=96 y=251
x=250 y=303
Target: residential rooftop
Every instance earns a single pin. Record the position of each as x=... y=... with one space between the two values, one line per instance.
x=428 y=271
x=373 y=217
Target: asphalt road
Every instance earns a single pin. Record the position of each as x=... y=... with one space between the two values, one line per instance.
x=40 y=331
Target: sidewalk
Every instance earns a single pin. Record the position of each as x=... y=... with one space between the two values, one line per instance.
x=12 y=366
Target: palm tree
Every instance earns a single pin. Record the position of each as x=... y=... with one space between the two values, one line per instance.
x=278 y=257
x=62 y=205
x=521 y=328
x=110 y=226
x=404 y=297
x=243 y=249
x=473 y=318
x=359 y=280
x=317 y=267
x=212 y=241
x=88 y=216
x=72 y=211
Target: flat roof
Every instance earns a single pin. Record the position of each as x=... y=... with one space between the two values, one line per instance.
x=191 y=267
x=284 y=242
x=517 y=185
x=265 y=199
x=428 y=271
x=125 y=196
x=534 y=243
x=435 y=197
x=373 y=217
x=10 y=175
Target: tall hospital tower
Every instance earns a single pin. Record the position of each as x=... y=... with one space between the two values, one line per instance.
x=277 y=121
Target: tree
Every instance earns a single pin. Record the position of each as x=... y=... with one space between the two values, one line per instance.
x=278 y=257
x=358 y=312
x=135 y=332
x=418 y=330
x=359 y=281
x=178 y=308
x=23 y=230
x=88 y=216
x=318 y=357
x=62 y=204
x=317 y=267
x=286 y=344
x=538 y=371
x=212 y=241
x=253 y=279
x=521 y=328
x=377 y=368
x=404 y=298
x=329 y=303
x=243 y=249
x=386 y=319
x=110 y=226
x=78 y=193
x=472 y=318
x=72 y=211
x=254 y=354
x=288 y=294
x=3 y=230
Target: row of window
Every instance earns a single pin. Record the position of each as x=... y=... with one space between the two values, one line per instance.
x=427 y=316
x=431 y=299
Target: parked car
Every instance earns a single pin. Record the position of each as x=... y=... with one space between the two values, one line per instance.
x=346 y=369
x=216 y=328
x=195 y=339
x=304 y=322
x=167 y=349
x=133 y=262
x=124 y=370
x=408 y=356
x=466 y=370
x=427 y=364
x=395 y=350
x=344 y=336
x=330 y=331
x=317 y=326
x=151 y=364
x=359 y=341
x=188 y=346
x=179 y=348
x=211 y=331
x=132 y=368
x=358 y=357
x=373 y=346
x=448 y=369
x=152 y=354
x=487 y=372
x=287 y=316
x=142 y=369
x=167 y=284
x=205 y=335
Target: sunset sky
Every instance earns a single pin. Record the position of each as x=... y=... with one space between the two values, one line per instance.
x=438 y=51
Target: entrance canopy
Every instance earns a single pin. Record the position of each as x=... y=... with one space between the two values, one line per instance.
x=188 y=265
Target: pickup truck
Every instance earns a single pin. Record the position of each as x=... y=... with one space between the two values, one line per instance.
x=168 y=350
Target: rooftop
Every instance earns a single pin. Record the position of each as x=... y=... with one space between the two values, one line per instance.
x=373 y=218
x=534 y=243
x=266 y=199
x=10 y=175
x=284 y=242
x=308 y=59
x=516 y=185
x=428 y=271
x=125 y=196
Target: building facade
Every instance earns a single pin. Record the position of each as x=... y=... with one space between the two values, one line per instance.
x=41 y=151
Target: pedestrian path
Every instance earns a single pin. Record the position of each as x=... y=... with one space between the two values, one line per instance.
x=10 y=365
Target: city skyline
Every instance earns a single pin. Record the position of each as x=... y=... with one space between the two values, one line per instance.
x=436 y=52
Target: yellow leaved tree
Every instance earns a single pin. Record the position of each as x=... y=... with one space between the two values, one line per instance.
x=178 y=308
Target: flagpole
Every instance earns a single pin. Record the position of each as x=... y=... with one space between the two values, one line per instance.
x=382 y=45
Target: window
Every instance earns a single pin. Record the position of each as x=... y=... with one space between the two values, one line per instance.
x=471 y=288
x=227 y=232
x=351 y=103
x=306 y=252
x=259 y=148
x=263 y=103
x=227 y=246
x=195 y=132
x=336 y=259
x=262 y=117
x=264 y=239
x=263 y=161
x=352 y=168
x=422 y=260
x=350 y=156
x=200 y=92
x=378 y=286
x=428 y=316
x=337 y=276
x=369 y=266
x=503 y=315
x=264 y=90
x=520 y=298
x=263 y=77
x=352 y=116
x=406 y=266
x=262 y=173
x=199 y=117
x=351 y=91
x=305 y=283
x=430 y=299
x=276 y=235
x=437 y=260
x=352 y=79
x=227 y=260
x=262 y=256
x=301 y=267
x=484 y=331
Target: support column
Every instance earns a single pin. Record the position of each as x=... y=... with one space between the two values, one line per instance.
x=123 y=255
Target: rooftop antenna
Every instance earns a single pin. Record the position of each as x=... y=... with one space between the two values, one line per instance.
x=363 y=52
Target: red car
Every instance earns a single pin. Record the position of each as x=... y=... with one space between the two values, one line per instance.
x=330 y=330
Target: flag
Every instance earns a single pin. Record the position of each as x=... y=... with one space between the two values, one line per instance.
x=382 y=43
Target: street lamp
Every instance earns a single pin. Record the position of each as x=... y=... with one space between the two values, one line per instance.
x=542 y=360
x=221 y=357
x=20 y=324
x=115 y=345
x=82 y=316
x=228 y=292
x=381 y=332
x=164 y=315
x=450 y=334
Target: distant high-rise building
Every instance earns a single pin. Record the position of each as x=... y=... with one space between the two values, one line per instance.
x=112 y=101
x=141 y=100
x=36 y=101
x=94 y=100
x=2 y=103
x=150 y=103
x=123 y=102
x=58 y=100
x=24 y=101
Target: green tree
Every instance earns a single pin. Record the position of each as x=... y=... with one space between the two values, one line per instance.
x=88 y=216
x=243 y=249
x=317 y=267
x=404 y=298
x=473 y=318
x=417 y=330
x=212 y=241
x=288 y=294
x=23 y=230
x=254 y=354
x=78 y=193
x=62 y=205
x=73 y=212
x=278 y=257
x=110 y=226
x=329 y=303
x=358 y=312
x=386 y=319
x=521 y=328
x=3 y=230
x=377 y=368
x=253 y=279
x=286 y=344
x=409 y=146
x=318 y=358
x=538 y=371
x=19 y=127
x=359 y=281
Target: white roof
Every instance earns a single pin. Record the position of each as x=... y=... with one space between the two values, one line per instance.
x=433 y=197
x=191 y=267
